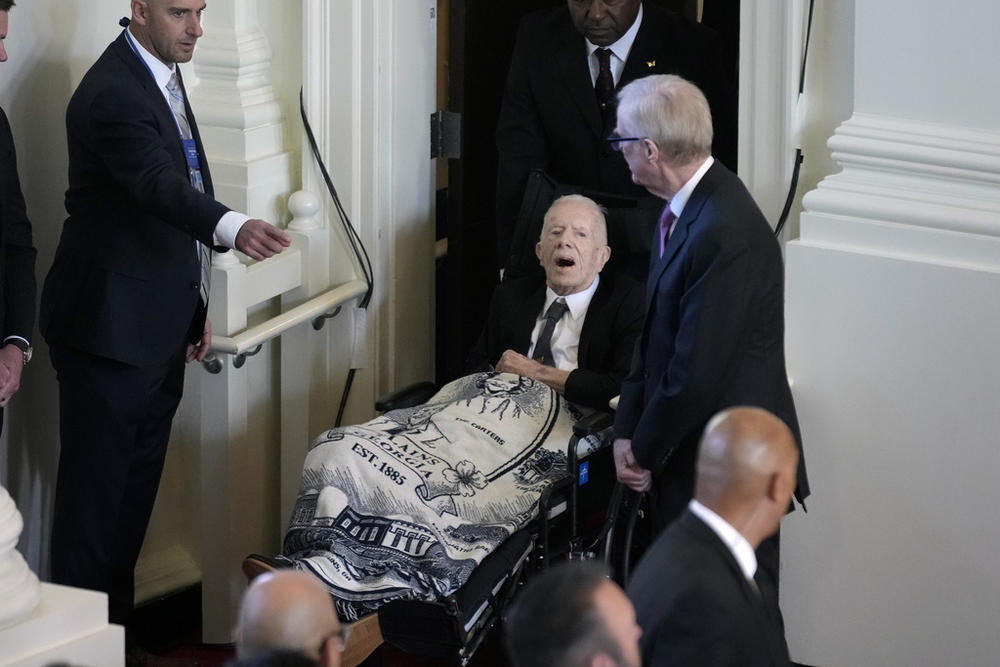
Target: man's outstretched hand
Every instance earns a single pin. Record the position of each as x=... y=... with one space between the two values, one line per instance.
x=259 y=239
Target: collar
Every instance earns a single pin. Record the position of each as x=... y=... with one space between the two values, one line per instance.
x=161 y=72
x=622 y=47
x=578 y=302
x=737 y=544
x=679 y=200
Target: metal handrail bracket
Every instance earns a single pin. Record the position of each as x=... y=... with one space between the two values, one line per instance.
x=258 y=334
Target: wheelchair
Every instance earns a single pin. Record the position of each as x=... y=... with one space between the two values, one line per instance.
x=578 y=515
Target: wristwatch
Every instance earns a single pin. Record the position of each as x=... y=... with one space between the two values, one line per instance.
x=26 y=349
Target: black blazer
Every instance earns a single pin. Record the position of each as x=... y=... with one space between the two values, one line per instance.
x=714 y=334
x=550 y=118
x=17 y=254
x=696 y=608
x=610 y=329
x=124 y=282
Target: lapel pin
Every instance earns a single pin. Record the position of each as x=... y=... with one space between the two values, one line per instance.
x=650 y=63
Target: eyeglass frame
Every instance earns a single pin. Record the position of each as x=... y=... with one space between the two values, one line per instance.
x=616 y=142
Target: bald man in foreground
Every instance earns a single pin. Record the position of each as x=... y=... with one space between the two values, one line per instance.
x=694 y=591
x=288 y=612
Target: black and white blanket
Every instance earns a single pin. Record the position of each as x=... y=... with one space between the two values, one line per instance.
x=409 y=503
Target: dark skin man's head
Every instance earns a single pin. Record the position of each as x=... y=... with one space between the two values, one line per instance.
x=603 y=22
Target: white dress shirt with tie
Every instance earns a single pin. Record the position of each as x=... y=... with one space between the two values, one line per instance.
x=619 y=52
x=566 y=336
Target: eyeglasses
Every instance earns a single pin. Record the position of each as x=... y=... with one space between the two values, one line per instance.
x=616 y=142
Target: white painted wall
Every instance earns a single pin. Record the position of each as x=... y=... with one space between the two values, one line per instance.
x=893 y=313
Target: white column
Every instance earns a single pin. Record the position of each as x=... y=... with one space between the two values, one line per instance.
x=893 y=309
x=238 y=112
x=19 y=587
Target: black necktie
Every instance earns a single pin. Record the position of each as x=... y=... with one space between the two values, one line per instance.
x=543 y=346
x=604 y=87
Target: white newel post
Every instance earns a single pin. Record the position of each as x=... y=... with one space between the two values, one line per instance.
x=304 y=351
x=19 y=587
x=893 y=309
x=241 y=126
x=43 y=624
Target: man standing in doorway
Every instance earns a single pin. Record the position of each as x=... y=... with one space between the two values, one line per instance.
x=125 y=302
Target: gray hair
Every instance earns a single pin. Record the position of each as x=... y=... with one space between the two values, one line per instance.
x=672 y=112
x=601 y=212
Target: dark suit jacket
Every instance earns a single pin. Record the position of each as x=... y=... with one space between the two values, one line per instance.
x=550 y=118
x=610 y=329
x=696 y=608
x=713 y=337
x=17 y=254
x=124 y=282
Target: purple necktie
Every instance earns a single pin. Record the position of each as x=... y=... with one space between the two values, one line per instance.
x=667 y=221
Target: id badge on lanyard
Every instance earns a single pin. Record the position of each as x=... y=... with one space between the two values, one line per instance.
x=194 y=166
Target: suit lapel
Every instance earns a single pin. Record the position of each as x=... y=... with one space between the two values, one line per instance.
x=574 y=71
x=593 y=319
x=762 y=614
x=525 y=318
x=682 y=230
x=645 y=56
x=157 y=102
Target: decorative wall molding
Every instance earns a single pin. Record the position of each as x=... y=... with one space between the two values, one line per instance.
x=910 y=189
x=891 y=330
x=238 y=112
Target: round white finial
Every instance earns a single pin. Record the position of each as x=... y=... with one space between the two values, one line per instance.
x=19 y=587
x=303 y=206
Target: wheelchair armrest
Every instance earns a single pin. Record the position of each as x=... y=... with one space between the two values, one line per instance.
x=407 y=397
x=593 y=424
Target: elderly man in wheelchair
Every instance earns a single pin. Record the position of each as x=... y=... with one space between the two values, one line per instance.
x=405 y=508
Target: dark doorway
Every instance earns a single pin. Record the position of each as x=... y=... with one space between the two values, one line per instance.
x=475 y=56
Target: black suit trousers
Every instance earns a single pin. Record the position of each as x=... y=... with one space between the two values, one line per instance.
x=114 y=424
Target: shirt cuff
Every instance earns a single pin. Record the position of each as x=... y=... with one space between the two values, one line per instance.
x=26 y=341
x=229 y=224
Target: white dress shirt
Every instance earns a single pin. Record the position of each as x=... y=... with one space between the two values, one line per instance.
x=738 y=545
x=679 y=200
x=619 y=52
x=229 y=224
x=566 y=335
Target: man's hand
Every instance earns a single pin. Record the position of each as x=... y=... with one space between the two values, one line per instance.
x=630 y=473
x=198 y=351
x=11 y=365
x=512 y=362
x=259 y=239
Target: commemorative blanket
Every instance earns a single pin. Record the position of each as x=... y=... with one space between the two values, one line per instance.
x=409 y=503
